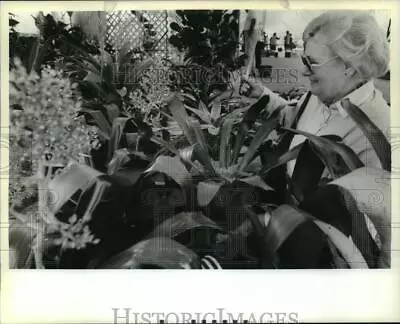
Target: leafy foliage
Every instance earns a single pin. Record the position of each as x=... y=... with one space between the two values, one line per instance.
x=193 y=190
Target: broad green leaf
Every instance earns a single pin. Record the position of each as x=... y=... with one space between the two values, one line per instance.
x=157 y=252
x=307 y=172
x=266 y=257
x=284 y=220
x=112 y=112
x=372 y=194
x=262 y=133
x=375 y=136
x=256 y=181
x=173 y=168
x=73 y=178
x=206 y=191
x=346 y=247
x=183 y=222
x=327 y=148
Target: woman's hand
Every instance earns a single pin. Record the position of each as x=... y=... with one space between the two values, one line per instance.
x=251 y=88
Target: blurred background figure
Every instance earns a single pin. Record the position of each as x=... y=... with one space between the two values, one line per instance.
x=273 y=42
x=260 y=46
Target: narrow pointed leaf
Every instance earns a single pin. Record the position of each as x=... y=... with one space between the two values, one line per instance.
x=274 y=161
x=204 y=116
x=165 y=145
x=225 y=144
x=216 y=109
x=256 y=181
x=195 y=128
x=262 y=133
x=248 y=121
x=206 y=191
x=180 y=115
x=197 y=153
x=375 y=136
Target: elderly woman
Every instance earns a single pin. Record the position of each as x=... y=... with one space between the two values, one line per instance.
x=343 y=52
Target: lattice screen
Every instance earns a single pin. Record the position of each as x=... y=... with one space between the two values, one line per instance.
x=148 y=30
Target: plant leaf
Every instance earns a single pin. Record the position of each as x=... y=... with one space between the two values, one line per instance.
x=112 y=112
x=273 y=161
x=262 y=133
x=372 y=195
x=327 y=148
x=205 y=117
x=73 y=178
x=182 y=222
x=346 y=247
x=180 y=115
x=375 y=136
x=206 y=191
x=158 y=252
x=117 y=132
x=256 y=181
x=173 y=168
x=247 y=122
x=307 y=172
x=195 y=127
x=224 y=149
x=216 y=109
x=284 y=220
x=165 y=144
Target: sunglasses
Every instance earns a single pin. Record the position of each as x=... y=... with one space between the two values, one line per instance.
x=313 y=66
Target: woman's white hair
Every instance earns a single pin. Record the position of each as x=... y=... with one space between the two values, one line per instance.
x=356 y=38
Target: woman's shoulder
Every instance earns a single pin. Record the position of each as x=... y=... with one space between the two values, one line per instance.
x=378 y=110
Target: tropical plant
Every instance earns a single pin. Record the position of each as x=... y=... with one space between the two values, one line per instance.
x=211 y=195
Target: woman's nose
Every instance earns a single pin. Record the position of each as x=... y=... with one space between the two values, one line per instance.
x=306 y=72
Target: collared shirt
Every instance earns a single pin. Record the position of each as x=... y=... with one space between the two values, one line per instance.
x=320 y=119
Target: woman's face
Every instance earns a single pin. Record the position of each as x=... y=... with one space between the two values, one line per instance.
x=326 y=81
